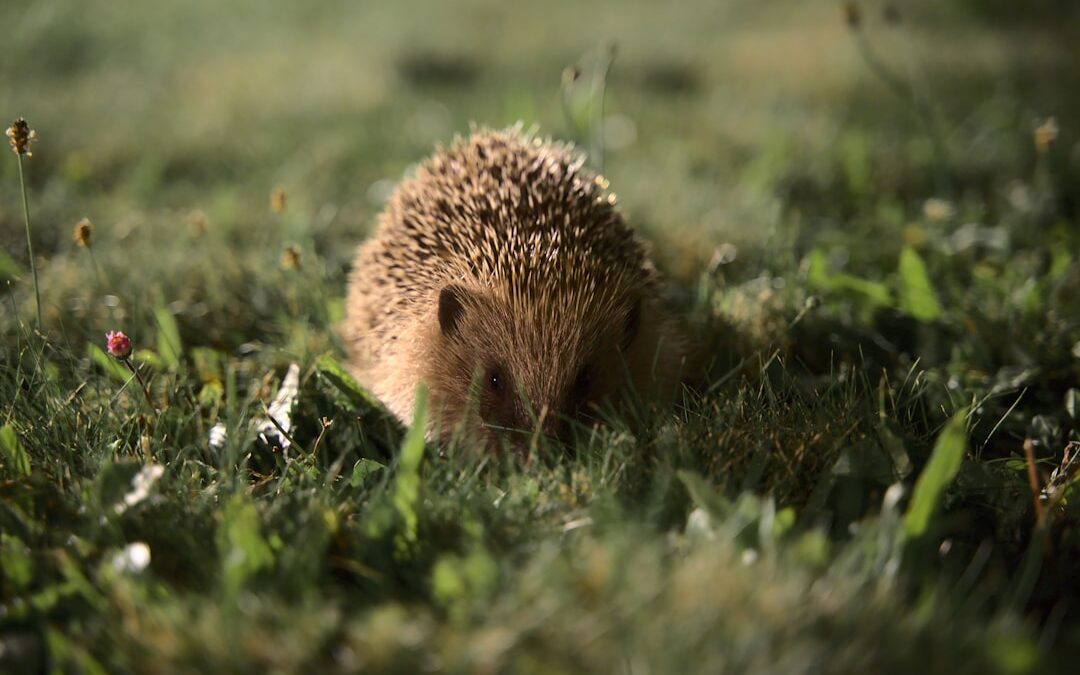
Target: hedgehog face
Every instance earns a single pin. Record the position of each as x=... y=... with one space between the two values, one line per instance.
x=508 y=365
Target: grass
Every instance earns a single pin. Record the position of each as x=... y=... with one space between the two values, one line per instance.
x=873 y=473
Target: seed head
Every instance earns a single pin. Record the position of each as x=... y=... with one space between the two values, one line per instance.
x=852 y=15
x=1045 y=135
x=20 y=135
x=118 y=344
x=290 y=257
x=891 y=14
x=83 y=232
x=277 y=199
x=570 y=75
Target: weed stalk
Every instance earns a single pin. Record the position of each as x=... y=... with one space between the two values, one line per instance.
x=29 y=242
x=138 y=376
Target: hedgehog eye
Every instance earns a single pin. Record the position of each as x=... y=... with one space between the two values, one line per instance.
x=496 y=381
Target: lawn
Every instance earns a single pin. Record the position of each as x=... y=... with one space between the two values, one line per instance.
x=868 y=215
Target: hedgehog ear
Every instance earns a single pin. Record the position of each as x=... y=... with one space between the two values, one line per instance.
x=631 y=324
x=451 y=309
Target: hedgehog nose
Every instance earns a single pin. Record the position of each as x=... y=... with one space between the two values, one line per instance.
x=553 y=427
x=552 y=424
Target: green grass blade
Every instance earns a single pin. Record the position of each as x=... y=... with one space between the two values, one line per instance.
x=111 y=366
x=942 y=468
x=15 y=457
x=243 y=549
x=337 y=376
x=862 y=292
x=9 y=269
x=169 y=347
x=407 y=483
x=702 y=493
x=362 y=470
x=917 y=296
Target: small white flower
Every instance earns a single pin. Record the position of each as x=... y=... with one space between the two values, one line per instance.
x=133 y=559
x=141 y=485
x=280 y=410
x=217 y=436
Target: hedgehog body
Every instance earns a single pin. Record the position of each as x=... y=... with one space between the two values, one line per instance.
x=502 y=277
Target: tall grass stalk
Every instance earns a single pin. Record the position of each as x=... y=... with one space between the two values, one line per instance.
x=600 y=88
x=591 y=130
x=29 y=243
x=906 y=90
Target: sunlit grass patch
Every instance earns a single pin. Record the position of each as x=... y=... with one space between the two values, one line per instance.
x=873 y=468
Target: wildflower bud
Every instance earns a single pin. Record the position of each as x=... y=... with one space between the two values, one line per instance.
x=1045 y=135
x=20 y=135
x=277 y=199
x=83 y=232
x=118 y=344
x=852 y=15
x=290 y=257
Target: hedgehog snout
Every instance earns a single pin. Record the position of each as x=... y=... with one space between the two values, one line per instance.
x=556 y=428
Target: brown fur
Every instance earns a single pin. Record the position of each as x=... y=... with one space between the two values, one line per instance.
x=503 y=259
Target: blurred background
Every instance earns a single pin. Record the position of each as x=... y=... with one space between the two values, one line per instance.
x=149 y=110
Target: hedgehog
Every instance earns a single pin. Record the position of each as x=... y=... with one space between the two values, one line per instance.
x=503 y=278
